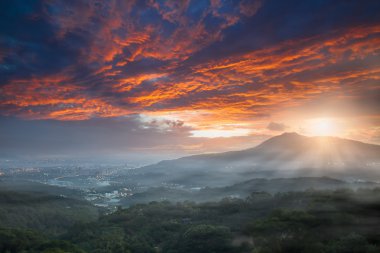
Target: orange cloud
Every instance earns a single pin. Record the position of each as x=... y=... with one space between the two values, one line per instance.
x=241 y=87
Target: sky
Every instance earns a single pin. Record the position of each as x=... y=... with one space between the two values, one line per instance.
x=171 y=78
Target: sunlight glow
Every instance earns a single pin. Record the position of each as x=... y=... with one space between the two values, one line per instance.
x=214 y=133
x=323 y=127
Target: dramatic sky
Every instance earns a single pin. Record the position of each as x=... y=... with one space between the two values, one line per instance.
x=168 y=78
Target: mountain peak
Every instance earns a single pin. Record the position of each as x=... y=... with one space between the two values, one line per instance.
x=287 y=155
x=286 y=138
x=289 y=134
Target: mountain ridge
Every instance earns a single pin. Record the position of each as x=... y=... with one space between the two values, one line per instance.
x=285 y=155
x=271 y=139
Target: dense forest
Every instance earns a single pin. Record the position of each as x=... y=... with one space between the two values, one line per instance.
x=309 y=221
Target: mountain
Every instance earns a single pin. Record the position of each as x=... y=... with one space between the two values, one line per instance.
x=286 y=155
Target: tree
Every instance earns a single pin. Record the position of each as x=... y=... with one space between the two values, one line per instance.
x=206 y=239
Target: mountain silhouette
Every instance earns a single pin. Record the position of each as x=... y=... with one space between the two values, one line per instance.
x=286 y=155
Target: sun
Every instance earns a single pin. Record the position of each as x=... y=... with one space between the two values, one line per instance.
x=323 y=127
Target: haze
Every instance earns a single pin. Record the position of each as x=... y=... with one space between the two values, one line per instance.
x=189 y=126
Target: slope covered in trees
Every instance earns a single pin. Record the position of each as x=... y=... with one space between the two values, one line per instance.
x=311 y=221
x=51 y=214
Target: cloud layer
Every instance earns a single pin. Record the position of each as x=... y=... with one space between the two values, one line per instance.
x=85 y=59
x=207 y=63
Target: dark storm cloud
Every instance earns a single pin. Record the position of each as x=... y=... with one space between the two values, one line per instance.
x=28 y=42
x=278 y=21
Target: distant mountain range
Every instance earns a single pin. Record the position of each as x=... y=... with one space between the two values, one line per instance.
x=258 y=187
x=287 y=155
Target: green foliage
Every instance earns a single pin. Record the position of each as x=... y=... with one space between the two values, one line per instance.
x=206 y=239
x=312 y=221
x=48 y=213
x=28 y=241
x=351 y=243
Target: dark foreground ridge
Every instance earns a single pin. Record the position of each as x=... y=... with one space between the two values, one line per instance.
x=337 y=221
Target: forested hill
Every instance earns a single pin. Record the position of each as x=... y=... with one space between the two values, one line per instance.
x=340 y=221
x=52 y=214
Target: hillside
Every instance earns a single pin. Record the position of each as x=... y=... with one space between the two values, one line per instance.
x=36 y=206
x=245 y=189
x=286 y=155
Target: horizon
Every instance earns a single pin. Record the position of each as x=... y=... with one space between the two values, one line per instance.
x=144 y=161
